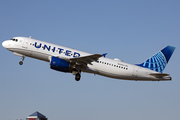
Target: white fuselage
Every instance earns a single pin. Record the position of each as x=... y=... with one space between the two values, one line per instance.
x=103 y=66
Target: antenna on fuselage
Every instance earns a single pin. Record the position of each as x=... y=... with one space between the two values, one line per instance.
x=29 y=36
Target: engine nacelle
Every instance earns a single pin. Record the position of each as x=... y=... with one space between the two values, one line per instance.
x=59 y=64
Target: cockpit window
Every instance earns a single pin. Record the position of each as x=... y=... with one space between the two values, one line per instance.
x=13 y=39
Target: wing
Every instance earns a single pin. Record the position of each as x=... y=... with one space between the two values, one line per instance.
x=85 y=59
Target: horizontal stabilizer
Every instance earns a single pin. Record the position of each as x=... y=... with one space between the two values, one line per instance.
x=159 y=75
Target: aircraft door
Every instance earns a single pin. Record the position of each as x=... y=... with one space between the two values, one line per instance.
x=25 y=43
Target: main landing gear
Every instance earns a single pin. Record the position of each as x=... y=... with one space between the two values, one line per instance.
x=77 y=74
x=21 y=62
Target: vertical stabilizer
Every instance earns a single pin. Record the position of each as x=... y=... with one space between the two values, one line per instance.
x=159 y=61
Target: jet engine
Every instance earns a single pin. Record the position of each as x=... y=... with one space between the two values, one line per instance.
x=59 y=64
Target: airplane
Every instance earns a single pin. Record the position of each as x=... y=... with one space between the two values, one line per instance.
x=73 y=61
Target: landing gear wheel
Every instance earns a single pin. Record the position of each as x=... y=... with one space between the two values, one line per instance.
x=21 y=62
x=77 y=77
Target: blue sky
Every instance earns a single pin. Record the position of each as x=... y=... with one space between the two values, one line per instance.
x=125 y=29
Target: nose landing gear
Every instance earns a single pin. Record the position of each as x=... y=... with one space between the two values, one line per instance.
x=21 y=62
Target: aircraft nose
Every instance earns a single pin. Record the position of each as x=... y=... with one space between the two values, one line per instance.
x=4 y=44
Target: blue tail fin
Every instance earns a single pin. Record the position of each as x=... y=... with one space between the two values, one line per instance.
x=159 y=60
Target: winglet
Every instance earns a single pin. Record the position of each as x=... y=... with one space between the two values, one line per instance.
x=104 y=55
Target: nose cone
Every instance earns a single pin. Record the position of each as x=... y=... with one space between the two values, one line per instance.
x=4 y=44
